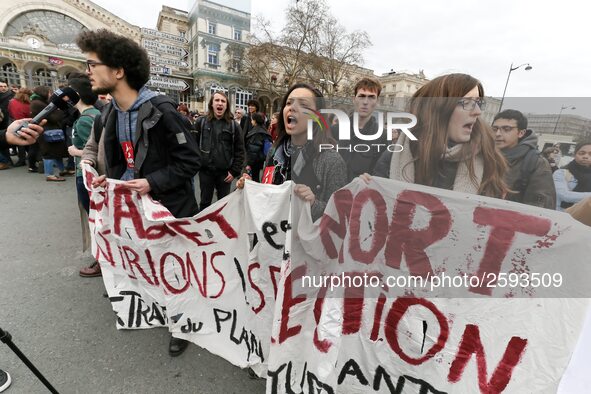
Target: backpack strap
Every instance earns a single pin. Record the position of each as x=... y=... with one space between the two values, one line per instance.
x=202 y=120
x=162 y=99
x=98 y=128
x=98 y=121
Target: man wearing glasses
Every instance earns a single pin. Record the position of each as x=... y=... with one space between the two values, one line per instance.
x=140 y=138
x=529 y=175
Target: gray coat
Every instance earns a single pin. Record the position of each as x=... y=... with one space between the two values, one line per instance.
x=331 y=171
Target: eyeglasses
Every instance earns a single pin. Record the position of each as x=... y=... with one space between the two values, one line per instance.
x=504 y=129
x=468 y=104
x=91 y=64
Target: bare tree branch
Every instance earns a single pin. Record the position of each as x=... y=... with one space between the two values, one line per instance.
x=312 y=46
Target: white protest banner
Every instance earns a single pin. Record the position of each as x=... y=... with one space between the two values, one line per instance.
x=230 y=280
x=341 y=337
x=211 y=279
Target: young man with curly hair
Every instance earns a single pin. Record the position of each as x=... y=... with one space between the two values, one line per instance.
x=143 y=140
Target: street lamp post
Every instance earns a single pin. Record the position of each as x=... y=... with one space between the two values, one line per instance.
x=560 y=113
x=511 y=69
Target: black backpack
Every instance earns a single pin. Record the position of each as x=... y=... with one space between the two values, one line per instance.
x=255 y=147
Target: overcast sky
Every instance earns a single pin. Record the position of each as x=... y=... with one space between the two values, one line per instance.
x=475 y=37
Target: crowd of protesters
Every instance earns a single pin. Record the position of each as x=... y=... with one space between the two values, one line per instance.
x=161 y=148
x=501 y=160
x=455 y=149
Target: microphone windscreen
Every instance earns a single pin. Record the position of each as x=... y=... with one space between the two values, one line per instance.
x=57 y=98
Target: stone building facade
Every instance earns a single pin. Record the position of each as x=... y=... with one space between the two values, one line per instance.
x=37 y=38
x=189 y=52
x=212 y=28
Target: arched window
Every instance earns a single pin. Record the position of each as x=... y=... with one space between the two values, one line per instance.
x=56 y=27
x=242 y=97
x=43 y=77
x=217 y=88
x=10 y=74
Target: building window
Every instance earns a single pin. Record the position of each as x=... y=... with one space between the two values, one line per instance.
x=238 y=35
x=213 y=51
x=211 y=27
x=10 y=74
x=183 y=34
x=217 y=88
x=236 y=65
x=43 y=77
x=235 y=61
x=242 y=97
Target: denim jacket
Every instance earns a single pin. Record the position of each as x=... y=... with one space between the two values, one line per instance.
x=565 y=182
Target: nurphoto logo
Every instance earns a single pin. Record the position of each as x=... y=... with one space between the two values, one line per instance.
x=393 y=120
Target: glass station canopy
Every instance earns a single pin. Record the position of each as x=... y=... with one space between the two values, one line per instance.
x=56 y=27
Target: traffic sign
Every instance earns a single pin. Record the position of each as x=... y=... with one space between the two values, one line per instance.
x=160 y=70
x=155 y=46
x=168 y=83
x=162 y=35
x=162 y=60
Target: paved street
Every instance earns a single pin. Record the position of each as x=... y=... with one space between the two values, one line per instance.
x=62 y=322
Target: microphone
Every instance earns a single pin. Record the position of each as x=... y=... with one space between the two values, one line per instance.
x=60 y=99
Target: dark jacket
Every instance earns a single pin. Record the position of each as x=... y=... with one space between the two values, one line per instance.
x=324 y=173
x=540 y=190
x=164 y=152
x=3 y=143
x=255 y=145
x=361 y=162
x=245 y=124
x=382 y=167
x=4 y=100
x=220 y=153
x=50 y=150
